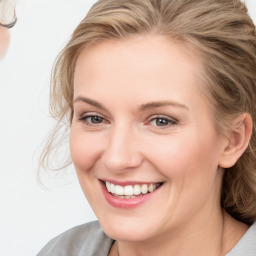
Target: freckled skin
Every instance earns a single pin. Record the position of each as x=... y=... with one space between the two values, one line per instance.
x=128 y=144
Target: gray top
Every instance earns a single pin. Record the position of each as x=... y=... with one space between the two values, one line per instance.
x=247 y=244
x=90 y=240
x=85 y=240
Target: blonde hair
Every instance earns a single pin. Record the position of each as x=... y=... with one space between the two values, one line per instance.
x=222 y=34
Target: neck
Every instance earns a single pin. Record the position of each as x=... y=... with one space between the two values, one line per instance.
x=215 y=237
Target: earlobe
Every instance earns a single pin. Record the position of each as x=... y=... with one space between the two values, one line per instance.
x=238 y=140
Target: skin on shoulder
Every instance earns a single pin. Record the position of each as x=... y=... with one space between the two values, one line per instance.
x=141 y=121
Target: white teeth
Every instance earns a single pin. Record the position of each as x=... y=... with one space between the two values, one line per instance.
x=108 y=186
x=112 y=188
x=136 y=190
x=151 y=188
x=130 y=191
x=119 y=190
x=144 y=189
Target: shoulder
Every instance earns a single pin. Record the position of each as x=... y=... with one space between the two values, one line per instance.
x=88 y=239
x=247 y=245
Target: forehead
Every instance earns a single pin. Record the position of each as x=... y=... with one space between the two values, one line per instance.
x=147 y=64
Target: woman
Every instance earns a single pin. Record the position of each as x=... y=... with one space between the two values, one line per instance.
x=7 y=21
x=160 y=99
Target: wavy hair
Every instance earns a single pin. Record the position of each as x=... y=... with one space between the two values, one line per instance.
x=222 y=34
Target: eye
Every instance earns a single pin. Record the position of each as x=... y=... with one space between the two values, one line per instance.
x=93 y=119
x=163 y=121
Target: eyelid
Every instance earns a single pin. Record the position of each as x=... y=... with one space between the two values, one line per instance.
x=86 y=115
x=163 y=116
x=89 y=113
x=172 y=121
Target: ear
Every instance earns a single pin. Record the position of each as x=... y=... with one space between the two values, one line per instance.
x=238 y=140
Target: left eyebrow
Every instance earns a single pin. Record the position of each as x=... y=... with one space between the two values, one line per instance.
x=90 y=102
x=158 y=104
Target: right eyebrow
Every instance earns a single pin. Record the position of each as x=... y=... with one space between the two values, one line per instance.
x=90 y=102
x=157 y=104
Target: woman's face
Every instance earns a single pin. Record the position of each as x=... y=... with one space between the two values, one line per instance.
x=141 y=124
x=4 y=40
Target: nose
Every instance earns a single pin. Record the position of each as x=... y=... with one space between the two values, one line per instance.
x=122 y=152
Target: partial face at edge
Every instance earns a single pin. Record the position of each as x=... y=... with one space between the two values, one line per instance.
x=4 y=40
x=140 y=117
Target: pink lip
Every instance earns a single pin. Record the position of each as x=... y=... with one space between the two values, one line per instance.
x=123 y=202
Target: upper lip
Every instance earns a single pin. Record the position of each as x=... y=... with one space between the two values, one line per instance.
x=126 y=183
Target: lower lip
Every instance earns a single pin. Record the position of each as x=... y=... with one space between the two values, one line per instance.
x=126 y=203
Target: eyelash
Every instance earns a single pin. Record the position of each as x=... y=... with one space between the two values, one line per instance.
x=167 y=120
x=86 y=117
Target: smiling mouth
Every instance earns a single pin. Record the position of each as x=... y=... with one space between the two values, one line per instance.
x=131 y=191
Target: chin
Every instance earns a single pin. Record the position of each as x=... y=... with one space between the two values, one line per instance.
x=128 y=229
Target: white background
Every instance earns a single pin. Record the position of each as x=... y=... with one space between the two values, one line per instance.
x=30 y=215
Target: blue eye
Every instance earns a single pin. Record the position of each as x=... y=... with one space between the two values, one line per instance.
x=162 y=122
x=95 y=119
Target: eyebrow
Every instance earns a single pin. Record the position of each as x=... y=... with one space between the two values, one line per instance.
x=158 y=104
x=143 y=107
x=90 y=102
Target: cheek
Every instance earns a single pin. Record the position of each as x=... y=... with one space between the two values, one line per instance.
x=190 y=167
x=83 y=149
x=184 y=157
